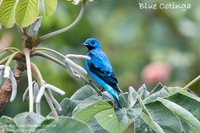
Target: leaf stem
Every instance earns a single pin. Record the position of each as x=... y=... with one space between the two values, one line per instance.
x=11 y=49
x=191 y=83
x=36 y=53
x=29 y=73
x=52 y=34
x=40 y=80
x=63 y=65
x=10 y=58
x=4 y=60
x=50 y=50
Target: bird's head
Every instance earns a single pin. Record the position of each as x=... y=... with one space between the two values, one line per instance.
x=92 y=43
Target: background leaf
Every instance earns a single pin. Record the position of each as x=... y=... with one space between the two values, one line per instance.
x=26 y=12
x=63 y=125
x=7 y=13
x=49 y=7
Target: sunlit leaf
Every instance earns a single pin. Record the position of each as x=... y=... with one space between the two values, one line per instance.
x=26 y=12
x=88 y=112
x=108 y=120
x=7 y=13
x=49 y=7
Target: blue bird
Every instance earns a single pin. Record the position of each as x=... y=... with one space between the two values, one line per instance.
x=101 y=70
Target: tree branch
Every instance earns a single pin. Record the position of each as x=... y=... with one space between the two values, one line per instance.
x=52 y=34
x=6 y=88
x=63 y=65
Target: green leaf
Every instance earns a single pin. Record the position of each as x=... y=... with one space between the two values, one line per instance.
x=168 y=121
x=83 y=93
x=141 y=127
x=151 y=123
x=49 y=7
x=67 y=107
x=108 y=120
x=7 y=13
x=132 y=96
x=27 y=122
x=148 y=119
x=7 y=124
x=96 y=127
x=183 y=113
x=88 y=112
x=158 y=87
x=63 y=125
x=188 y=101
x=128 y=115
x=26 y=12
x=153 y=97
x=142 y=91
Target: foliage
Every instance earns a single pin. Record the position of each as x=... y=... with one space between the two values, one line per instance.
x=161 y=110
x=164 y=109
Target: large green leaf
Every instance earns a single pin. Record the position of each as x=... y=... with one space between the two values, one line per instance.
x=145 y=115
x=149 y=120
x=63 y=125
x=141 y=127
x=182 y=113
x=7 y=13
x=108 y=120
x=83 y=93
x=67 y=107
x=96 y=127
x=49 y=7
x=27 y=122
x=7 y=124
x=26 y=12
x=88 y=112
x=169 y=122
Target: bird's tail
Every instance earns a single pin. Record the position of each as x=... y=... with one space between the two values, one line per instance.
x=117 y=103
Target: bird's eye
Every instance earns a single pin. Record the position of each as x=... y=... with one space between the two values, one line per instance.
x=92 y=42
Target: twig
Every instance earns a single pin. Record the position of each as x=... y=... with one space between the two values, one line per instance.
x=41 y=54
x=29 y=74
x=11 y=49
x=50 y=50
x=39 y=79
x=4 y=60
x=63 y=65
x=47 y=36
x=192 y=82
x=11 y=57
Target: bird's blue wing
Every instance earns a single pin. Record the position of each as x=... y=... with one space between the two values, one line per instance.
x=100 y=66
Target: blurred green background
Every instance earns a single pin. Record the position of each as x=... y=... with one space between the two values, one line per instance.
x=144 y=46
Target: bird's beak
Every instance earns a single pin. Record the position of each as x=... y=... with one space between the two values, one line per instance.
x=84 y=44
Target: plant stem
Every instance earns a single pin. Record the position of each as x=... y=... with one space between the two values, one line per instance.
x=11 y=49
x=11 y=58
x=50 y=50
x=29 y=73
x=47 y=36
x=4 y=60
x=191 y=83
x=40 y=80
x=63 y=65
x=49 y=57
